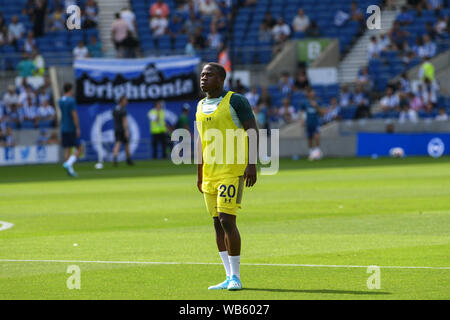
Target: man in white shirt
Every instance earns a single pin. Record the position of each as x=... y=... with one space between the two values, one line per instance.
x=46 y=111
x=16 y=29
x=281 y=31
x=300 y=22
x=253 y=96
x=390 y=101
x=429 y=46
x=373 y=49
x=158 y=24
x=10 y=97
x=207 y=7
x=80 y=51
x=130 y=18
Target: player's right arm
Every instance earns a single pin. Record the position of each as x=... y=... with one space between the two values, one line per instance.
x=199 y=165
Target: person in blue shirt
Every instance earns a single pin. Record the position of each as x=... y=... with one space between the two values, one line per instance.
x=311 y=122
x=70 y=129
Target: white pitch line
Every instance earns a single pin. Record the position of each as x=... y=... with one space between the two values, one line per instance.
x=217 y=263
x=5 y=225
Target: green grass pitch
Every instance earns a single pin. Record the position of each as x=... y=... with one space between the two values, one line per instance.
x=335 y=215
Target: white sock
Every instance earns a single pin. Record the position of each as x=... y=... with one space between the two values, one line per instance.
x=226 y=262
x=72 y=160
x=235 y=262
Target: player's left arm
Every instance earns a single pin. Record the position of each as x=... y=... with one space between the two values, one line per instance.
x=247 y=118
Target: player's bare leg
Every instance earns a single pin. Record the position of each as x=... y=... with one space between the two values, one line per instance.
x=223 y=252
x=232 y=241
x=116 y=152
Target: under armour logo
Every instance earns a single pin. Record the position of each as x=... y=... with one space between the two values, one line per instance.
x=228 y=200
x=208 y=119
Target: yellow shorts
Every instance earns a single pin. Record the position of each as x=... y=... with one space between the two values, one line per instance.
x=223 y=195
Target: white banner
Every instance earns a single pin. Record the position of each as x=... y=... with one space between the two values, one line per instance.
x=29 y=155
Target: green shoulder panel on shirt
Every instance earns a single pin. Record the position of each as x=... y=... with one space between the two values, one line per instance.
x=242 y=107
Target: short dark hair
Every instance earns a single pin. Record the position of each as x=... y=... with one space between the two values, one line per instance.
x=219 y=68
x=67 y=87
x=120 y=98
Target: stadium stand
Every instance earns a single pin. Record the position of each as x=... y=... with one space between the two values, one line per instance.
x=245 y=31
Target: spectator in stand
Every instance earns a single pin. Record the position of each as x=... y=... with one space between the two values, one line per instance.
x=253 y=96
x=301 y=82
x=390 y=102
x=433 y=4
x=441 y=26
x=25 y=94
x=119 y=32
x=189 y=50
x=265 y=98
x=15 y=115
x=239 y=87
x=356 y=13
x=4 y=37
x=129 y=16
x=429 y=92
x=26 y=66
x=2 y=135
x=38 y=18
x=207 y=7
x=95 y=47
x=363 y=78
x=176 y=26
x=419 y=48
x=46 y=112
x=404 y=18
x=406 y=113
x=30 y=112
x=385 y=42
x=264 y=33
x=373 y=48
x=28 y=8
x=281 y=33
x=269 y=20
x=429 y=29
x=10 y=97
x=345 y=97
x=220 y=21
x=30 y=43
x=158 y=24
x=313 y=30
x=9 y=139
x=260 y=112
x=214 y=38
x=430 y=48
x=224 y=58
x=56 y=21
x=2 y=20
x=300 y=22
x=333 y=111
x=80 y=51
x=415 y=103
x=426 y=70
x=398 y=35
x=16 y=31
x=287 y=112
x=192 y=24
x=200 y=41
x=362 y=103
x=39 y=63
x=159 y=7
x=404 y=84
x=90 y=14
x=442 y=115
x=286 y=84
